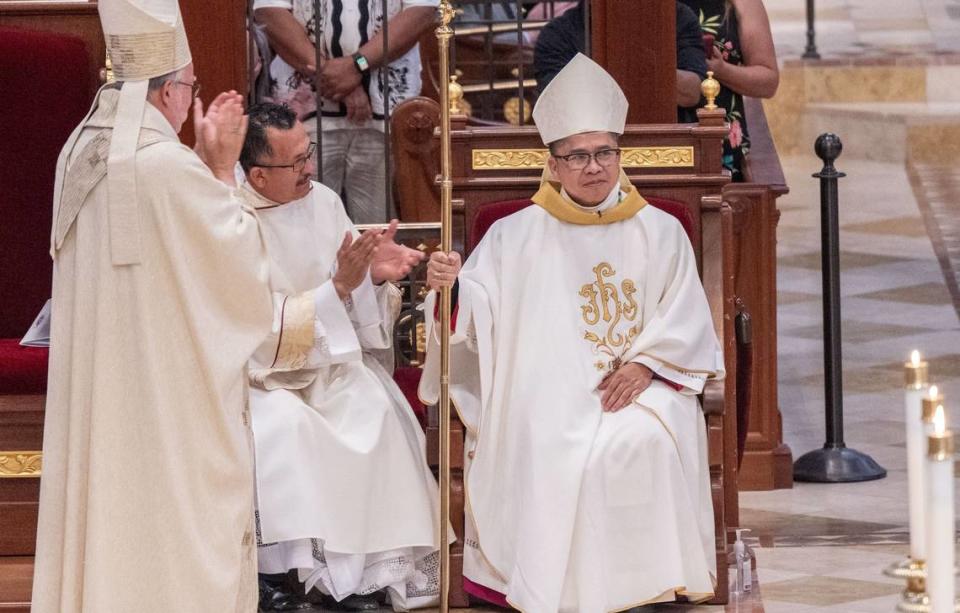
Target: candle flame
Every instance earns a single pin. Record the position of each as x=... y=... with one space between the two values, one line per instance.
x=934 y=392
x=939 y=420
x=915 y=358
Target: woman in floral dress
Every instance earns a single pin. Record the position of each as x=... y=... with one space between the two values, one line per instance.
x=743 y=60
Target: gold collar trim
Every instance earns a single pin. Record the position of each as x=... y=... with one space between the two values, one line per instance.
x=548 y=197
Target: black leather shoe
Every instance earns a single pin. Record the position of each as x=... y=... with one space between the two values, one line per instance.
x=354 y=602
x=275 y=598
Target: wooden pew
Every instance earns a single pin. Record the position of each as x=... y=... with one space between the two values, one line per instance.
x=767 y=461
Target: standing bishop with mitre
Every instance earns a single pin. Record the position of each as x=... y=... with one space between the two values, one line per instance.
x=582 y=338
x=159 y=299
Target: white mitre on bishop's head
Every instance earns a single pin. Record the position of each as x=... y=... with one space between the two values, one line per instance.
x=583 y=97
x=144 y=39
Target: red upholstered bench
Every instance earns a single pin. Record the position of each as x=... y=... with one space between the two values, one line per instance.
x=408 y=377
x=23 y=370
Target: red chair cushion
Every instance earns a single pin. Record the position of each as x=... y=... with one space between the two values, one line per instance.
x=46 y=86
x=488 y=213
x=23 y=370
x=677 y=209
x=408 y=380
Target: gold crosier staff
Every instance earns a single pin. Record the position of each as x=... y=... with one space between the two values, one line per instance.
x=444 y=35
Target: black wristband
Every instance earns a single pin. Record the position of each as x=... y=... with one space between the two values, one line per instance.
x=361 y=63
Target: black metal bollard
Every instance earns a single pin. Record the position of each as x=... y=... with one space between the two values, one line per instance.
x=835 y=462
x=810 y=53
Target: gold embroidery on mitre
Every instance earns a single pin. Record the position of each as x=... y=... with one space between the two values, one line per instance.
x=607 y=306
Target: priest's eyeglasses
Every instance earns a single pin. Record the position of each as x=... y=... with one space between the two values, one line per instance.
x=194 y=88
x=579 y=161
x=299 y=164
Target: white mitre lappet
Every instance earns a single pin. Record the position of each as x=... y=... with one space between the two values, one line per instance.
x=583 y=97
x=144 y=39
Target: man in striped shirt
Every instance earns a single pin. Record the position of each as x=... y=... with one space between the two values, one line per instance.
x=355 y=75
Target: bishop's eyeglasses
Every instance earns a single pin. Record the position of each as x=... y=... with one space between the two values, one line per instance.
x=299 y=164
x=194 y=88
x=579 y=161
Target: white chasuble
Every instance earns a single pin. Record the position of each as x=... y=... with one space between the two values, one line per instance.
x=146 y=501
x=570 y=508
x=344 y=493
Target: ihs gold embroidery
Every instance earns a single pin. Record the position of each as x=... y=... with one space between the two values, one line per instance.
x=611 y=305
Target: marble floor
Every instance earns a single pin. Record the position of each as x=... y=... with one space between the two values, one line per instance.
x=823 y=547
x=867 y=27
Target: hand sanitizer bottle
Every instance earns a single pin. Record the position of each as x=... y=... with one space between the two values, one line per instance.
x=744 y=566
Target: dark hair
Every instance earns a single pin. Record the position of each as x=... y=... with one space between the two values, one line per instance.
x=256 y=145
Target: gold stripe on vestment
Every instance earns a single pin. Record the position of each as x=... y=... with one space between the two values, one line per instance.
x=296 y=332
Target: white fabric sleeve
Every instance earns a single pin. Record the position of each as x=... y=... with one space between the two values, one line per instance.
x=273 y=4
x=363 y=308
x=373 y=310
x=335 y=340
x=467 y=365
x=690 y=385
x=678 y=340
x=461 y=330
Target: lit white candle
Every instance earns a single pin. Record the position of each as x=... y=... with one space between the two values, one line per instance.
x=928 y=408
x=916 y=388
x=939 y=525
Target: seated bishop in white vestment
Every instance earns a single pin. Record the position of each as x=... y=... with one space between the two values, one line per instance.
x=581 y=340
x=344 y=493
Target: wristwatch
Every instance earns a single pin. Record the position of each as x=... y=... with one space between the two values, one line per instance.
x=363 y=66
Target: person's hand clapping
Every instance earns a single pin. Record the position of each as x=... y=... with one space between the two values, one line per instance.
x=353 y=261
x=393 y=261
x=198 y=117
x=442 y=269
x=220 y=133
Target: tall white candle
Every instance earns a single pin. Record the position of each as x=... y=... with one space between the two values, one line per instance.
x=939 y=526
x=916 y=387
x=928 y=408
